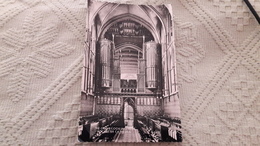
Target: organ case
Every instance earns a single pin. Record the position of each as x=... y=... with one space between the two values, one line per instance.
x=141 y=76
x=152 y=69
x=116 y=73
x=106 y=49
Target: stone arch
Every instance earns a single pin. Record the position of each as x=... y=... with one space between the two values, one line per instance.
x=131 y=102
x=132 y=17
x=124 y=45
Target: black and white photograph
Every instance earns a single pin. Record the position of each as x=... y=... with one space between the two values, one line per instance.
x=129 y=82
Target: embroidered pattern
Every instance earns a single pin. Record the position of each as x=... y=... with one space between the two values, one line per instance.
x=4 y=3
x=189 y=52
x=237 y=11
x=234 y=110
x=27 y=52
x=62 y=127
x=235 y=55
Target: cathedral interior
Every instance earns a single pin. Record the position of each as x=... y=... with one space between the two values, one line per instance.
x=129 y=87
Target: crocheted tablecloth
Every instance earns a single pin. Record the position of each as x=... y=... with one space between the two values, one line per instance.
x=41 y=53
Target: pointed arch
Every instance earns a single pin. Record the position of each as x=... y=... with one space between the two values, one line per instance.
x=132 y=17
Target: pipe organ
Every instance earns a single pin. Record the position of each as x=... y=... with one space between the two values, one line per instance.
x=116 y=74
x=141 y=76
x=106 y=49
x=152 y=69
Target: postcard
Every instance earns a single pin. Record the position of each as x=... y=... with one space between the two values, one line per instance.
x=129 y=82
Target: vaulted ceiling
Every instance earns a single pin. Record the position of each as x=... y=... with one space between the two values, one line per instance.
x=107 y=14
x=128 y=26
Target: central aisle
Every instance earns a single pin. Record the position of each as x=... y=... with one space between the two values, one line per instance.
x=129 y=134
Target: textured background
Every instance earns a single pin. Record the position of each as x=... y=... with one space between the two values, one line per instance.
x=218 y=49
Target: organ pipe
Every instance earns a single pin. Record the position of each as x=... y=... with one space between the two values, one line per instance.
x=105 y=61
x=152 y=68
